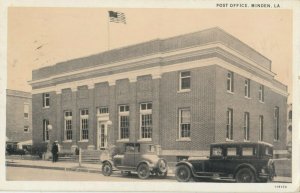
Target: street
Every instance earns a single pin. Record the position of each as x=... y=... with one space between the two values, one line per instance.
x=33 y=174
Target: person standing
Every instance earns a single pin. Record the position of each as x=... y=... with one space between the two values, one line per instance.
x=54 y=152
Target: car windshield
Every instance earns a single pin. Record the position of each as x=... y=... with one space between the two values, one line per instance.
x=268 y=151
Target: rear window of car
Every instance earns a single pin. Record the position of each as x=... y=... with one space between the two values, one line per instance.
x=217 y=151
x=248 y=151
x=231 y=151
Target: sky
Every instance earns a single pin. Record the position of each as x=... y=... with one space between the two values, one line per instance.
x=39 y=37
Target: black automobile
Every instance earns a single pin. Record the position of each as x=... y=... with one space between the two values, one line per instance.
x=245 y=162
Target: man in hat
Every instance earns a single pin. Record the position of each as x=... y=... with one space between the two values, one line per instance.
x=54 y=151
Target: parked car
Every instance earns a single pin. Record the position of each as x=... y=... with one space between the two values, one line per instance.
x=133 y=160
x=243 y=161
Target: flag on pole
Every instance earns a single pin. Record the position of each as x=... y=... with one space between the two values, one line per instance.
x=117 y=17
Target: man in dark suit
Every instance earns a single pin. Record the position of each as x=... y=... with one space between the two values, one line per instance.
x=54 y=152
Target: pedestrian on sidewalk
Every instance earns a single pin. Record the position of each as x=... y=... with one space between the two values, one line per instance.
x=54 y=151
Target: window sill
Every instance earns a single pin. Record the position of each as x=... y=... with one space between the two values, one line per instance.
x=229 y=140
x=245 y=140
x=262 y=102
x=85 y=140
x=184 y=139
x=67 y=141
x=47 y=107
x=184 y=91
x=247 y=98
x=123 y=140
x=230 y=92
x=145 y=140
x=276 y=141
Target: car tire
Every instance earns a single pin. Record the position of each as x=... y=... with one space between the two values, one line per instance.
x=245 y=175
x=183 y=173
x=106 y=169
x=143 y=171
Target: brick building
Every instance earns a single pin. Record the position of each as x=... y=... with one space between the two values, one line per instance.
x=18 y=116
x=182 y=93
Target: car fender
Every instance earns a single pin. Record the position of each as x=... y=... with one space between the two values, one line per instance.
x=110 y=162
x=245 y=165
x=188 y=164
x=151 y=166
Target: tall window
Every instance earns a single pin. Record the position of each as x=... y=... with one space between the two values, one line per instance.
x=230 y=81
x=261 y=128
x=184 y=123
x=246 y=126
x=124 y=121
x=46 y=100
x=26 y=111
x=185 y=80
x=276 y=117
x=247 y=88
x=45 y=130
x=68 y=125
x=84 y=124
x=261 y=93
x=229 y=125
x=146 y=120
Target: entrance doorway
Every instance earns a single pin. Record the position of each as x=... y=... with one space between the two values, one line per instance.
x=102 y=135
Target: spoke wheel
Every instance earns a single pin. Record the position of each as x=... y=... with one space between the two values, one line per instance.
x=183 y=173
x=245 y=175
x=106 y=169
x=143 y=171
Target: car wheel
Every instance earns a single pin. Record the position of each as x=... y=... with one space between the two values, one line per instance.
x=143 y=171
x=183 y=173
x=106 y=169
x=245 y=175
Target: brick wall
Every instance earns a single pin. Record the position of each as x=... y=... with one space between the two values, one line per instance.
x=200 y=100
x=15 y=120
x=240 y=104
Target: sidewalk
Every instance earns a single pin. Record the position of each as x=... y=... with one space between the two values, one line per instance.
x=92 y=168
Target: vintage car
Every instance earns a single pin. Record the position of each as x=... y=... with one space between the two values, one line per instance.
x=243 y=162
x=133 y=160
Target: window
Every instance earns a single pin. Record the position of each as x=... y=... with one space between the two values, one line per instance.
x=102 y=110
x=185 y=80
x=26 y=111
x=248 y=151
x=261 y=93
x=124 y=121
x=46 y=100
x=68 y=125
x=230 y=81
x=246 y=126
x=247 y=88
x=217 y=151
x=84 y=124
x=261 y=128
x=231 y=151
x=26 y=129
x=276 y=117
x=184 y=123
x=45 y=130
x=146 y=121
x=229 y=126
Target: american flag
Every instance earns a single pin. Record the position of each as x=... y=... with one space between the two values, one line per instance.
x=117 y=17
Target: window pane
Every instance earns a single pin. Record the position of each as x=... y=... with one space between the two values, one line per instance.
x=248 y=151
x=217 y=151
x=185 y=83
x=231 y=151
x=185 y=74
x=185 y=116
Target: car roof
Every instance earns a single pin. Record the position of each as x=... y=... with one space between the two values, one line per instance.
x=242 y=143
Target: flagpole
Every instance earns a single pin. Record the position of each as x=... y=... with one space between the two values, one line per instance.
x=108 y=33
